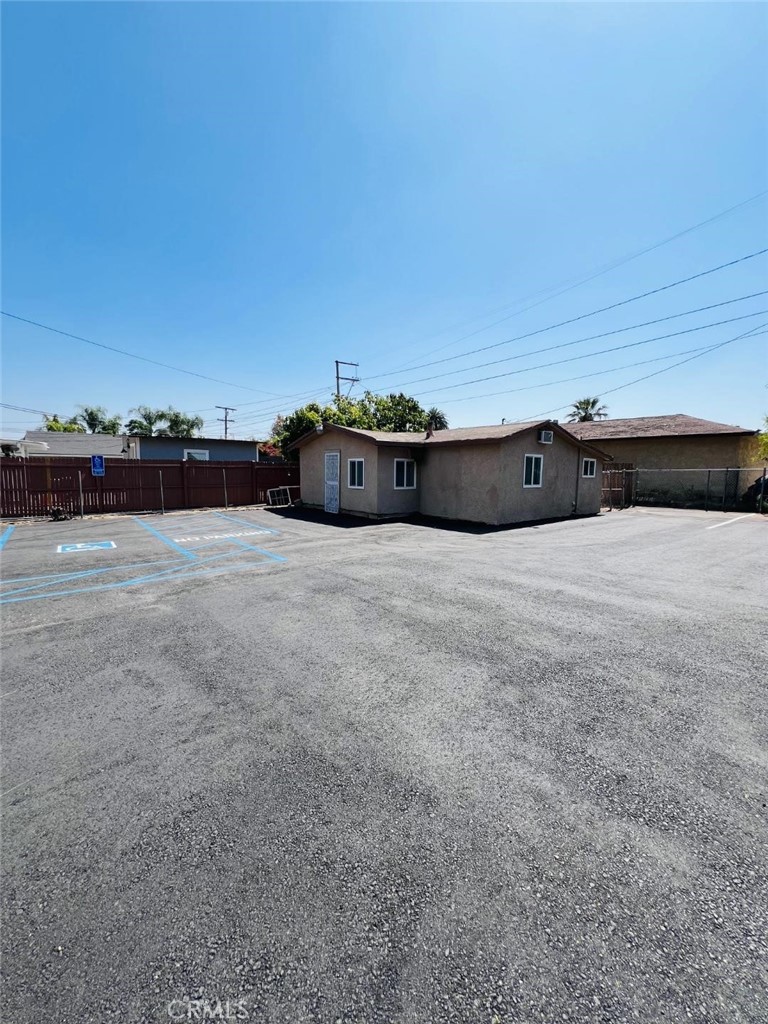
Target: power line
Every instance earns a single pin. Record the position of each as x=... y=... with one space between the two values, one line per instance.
x=580 y=341
x=754 y=332
x=260 y=417
x=271 y=401
x=589 y=355
x=581 y=376
x=21 y=408
x=556 y=290
x=582 y=316
x=616 y=348
x=132 y=355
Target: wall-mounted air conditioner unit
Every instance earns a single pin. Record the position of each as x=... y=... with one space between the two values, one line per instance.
x=546 y=436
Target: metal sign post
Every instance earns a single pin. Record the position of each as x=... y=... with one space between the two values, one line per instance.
x=80 y=482
x=224 y=475
x=162 y=496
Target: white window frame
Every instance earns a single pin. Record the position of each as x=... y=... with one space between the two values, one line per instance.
x=356 y=487
x=198 y=454
x=405 y=487
x=592 y=465
x=540 y=459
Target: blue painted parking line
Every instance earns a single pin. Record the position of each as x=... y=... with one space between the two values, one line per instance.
x=244 y=522
x=166 y=540
x=231 y=553
x=5 y=536
x=188 y=574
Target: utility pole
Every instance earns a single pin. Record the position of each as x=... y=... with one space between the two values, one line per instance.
x=351 y=380
x=225 y=418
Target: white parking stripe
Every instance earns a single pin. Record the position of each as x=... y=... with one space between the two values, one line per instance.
x=727 y=522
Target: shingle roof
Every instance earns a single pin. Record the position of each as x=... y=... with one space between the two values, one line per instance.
x=490 y=433
x=456 y=436
x=76 y=444
x=675 y=425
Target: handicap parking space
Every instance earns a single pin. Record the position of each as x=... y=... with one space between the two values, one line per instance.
x=47 y=560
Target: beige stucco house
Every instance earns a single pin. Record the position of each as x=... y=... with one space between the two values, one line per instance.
x=679 y=457
x=514 y=473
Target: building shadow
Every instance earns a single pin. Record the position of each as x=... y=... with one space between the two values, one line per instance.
x=342 y=521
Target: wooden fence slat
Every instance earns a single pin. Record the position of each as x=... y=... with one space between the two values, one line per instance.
x=33 y=486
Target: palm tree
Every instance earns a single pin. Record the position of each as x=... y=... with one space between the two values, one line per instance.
x=181 y=425
x=437 y=419
x=587 y=409
x=95 y=420
x=146 y=424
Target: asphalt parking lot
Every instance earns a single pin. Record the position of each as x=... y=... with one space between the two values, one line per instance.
x=289 y=770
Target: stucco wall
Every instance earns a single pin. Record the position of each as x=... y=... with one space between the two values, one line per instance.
x=400 y=502
x=480 y=483
x=725 y=451
x=461 y=482
x=713 y=452
x=558 y=494
x=312 y=465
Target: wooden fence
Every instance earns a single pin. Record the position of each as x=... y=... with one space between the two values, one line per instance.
x=34 y=486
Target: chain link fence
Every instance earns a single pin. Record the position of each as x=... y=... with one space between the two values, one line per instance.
x=724 y=489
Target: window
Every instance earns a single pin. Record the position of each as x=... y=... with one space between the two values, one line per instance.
x=405 y=474
x=589 y=467
x=196 y=454
x=534 y=467
x=356 y=472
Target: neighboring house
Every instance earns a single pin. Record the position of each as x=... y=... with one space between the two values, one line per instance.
x=204 y=449
x=124 y=446
x=59 y=444
x=718 y=452
x=518 y=472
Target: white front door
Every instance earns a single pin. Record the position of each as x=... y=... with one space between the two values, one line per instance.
x=332 y=460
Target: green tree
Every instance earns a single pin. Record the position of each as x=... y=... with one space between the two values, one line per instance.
x=587 y=409
x=371 y=412
x=300 y=422
x=762 y=441
x=148 y=422
x=180 y=424
x=70 y=426
x=437 y=419
x=396 y=412
x=96 y=420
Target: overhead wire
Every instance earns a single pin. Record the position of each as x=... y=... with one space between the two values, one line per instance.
x=582 y=376
x=589 y=355
x=133 y=355
x=753 y=332
x=582 y=316
x=556 y=290
x=580 y=341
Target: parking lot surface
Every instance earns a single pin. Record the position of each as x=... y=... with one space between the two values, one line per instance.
x=289 y=769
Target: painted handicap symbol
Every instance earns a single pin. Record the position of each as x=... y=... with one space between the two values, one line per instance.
x=94 y=545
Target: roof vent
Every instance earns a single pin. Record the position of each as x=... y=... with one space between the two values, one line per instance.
x=546 y=436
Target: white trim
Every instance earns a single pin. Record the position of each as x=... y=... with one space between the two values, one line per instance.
x=405 y=487
x=356 y=487
x=198 y=454
x=540 y=459
x=584 y=473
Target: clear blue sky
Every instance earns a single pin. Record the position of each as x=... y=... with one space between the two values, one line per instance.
x=253 y=190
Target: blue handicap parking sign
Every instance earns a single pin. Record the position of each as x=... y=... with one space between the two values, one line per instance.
x=97 y=465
